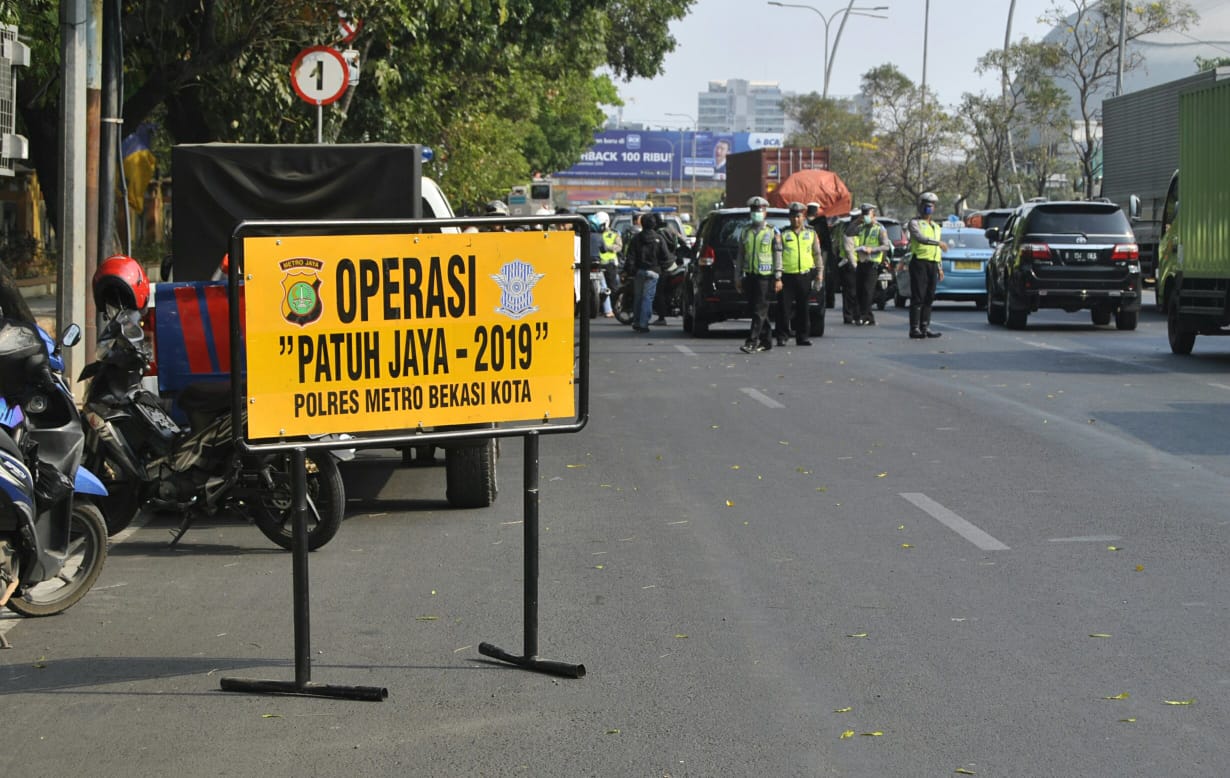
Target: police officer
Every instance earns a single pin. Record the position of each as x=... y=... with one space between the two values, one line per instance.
x=866 y=243
x=926 y=249
x=847 y=273
x=820 y=223
x=802 y=267
x=612 y=248
x=758 y=272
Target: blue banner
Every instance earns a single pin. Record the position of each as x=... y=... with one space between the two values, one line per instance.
x=663 y=154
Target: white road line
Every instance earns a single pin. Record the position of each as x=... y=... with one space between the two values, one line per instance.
x=1087 y=539
x=685 y=350
x=761 y=398
x=1216 y=385
x=954 y=522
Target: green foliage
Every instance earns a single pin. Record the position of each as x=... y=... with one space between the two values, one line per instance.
x=498 y=88
x=1203 y=64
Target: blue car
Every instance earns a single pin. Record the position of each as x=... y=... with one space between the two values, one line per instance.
x=965 y=266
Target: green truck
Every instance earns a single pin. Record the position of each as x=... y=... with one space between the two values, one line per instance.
x=1193 y=279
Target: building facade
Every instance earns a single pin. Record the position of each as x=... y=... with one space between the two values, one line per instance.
x=736 y=105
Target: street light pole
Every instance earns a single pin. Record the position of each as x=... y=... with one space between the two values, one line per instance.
x=695 y=129
x=845 y=14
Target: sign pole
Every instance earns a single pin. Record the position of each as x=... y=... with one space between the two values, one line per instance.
x=530 y=659
x=320 y=123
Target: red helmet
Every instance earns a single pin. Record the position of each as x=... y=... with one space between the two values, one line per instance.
x=120 y=282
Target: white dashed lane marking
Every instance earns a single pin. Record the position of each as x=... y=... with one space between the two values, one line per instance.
x=954 y=522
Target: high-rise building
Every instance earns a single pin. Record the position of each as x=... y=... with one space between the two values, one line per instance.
x=736 y=105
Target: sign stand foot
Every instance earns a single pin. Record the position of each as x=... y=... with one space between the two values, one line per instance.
x=530 y=659
x=302 y=685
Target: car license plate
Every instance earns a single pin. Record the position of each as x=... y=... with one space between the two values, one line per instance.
x=966 y=264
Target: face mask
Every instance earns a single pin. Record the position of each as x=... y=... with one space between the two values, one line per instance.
x=927 y=209
x=757 y=217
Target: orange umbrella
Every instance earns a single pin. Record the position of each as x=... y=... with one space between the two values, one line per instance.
x=814 y=186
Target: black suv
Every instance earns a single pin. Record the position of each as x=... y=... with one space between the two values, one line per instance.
x=1068 y=255
x=709 y=295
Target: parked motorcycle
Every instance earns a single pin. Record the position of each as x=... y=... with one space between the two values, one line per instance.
x=597 y=282
x=886 y=286
x=150 y=463
x=53 y=541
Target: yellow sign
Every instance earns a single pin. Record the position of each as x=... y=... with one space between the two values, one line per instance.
x=365 y=333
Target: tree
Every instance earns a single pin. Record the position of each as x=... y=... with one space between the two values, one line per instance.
x=916 y=141
x=1203 y=64
x=836 y=125
x=499 y=88
x=1089 y=54
x=1027 y=116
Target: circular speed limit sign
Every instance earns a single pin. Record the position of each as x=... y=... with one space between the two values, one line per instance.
x=319 y=75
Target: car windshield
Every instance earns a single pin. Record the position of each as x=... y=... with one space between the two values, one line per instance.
x=1078 y=221
x=732 y=227
x=894 y=231
x=965 y=239
x=995 y=219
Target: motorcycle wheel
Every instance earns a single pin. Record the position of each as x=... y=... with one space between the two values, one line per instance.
x=622 y=302
x=123 y=499
x=326 y=502
x=87 y=551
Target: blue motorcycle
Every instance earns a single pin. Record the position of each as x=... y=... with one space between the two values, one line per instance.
x=53 y=539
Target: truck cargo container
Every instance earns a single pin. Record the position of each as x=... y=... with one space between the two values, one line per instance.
x=760 y=171
x=1193 y=282
x=1140 y=152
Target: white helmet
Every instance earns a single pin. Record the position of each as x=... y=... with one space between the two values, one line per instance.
x=604 y=219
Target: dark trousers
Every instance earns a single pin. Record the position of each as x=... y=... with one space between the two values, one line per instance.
x=792 y=314
x=924 y=276
x=866 y=276
x=757 y=290
x=849 y=291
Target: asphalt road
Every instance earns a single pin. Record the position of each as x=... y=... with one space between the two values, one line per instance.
x=997 y=551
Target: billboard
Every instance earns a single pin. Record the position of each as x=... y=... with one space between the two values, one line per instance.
x=666 y=155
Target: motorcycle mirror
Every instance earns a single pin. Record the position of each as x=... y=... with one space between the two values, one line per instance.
x=168 y=263
x=71 y=336
x=130 y=326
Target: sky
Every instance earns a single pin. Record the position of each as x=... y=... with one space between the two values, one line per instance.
x=749 y=39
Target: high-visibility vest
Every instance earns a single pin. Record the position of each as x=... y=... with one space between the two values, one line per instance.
x=758 y=249
x=865 y=238
x=923 y=251
x=797 y=251
x=608 y=254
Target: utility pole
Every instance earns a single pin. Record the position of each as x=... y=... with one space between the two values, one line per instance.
x=70 y=300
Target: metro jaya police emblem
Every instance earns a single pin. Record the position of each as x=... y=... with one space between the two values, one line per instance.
x=516 y=281
x=301 y=285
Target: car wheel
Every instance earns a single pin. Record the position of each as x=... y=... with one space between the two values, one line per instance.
x=980 y=304
x=1126 y=320
x=700 y=326
x=1100 y=315
x=1181 y=339
x=997 y=311
x=1015 y=317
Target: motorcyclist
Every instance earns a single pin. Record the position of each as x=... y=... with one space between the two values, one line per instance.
x=597 y=245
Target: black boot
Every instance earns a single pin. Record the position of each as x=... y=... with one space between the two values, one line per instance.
x=928 y=332
x=915 y=332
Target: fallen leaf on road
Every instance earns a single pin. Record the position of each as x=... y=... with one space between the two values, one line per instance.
x=1120 y=696
x=271 y=715
x=1099 y=635
x=734 y=467
x=574 y=467
x=1131 y=720
x=729 y=504
x=882 y=475
x=906 y=545
x=612 y=732
x=1140 y=568
x=1180 y=702
x=963 y=771
x=877 y=733
x=681 y=636
x=857 y=635
x=599 y=567
x=426 y=618
x=1113 y=548
x=784 y=442
x=849 y=733
x=900 y=526
x=844 y=710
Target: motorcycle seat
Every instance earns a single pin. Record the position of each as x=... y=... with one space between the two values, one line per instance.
x=206 y=397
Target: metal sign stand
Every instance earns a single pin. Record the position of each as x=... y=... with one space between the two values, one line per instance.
x=530 y=659
x=303 y=684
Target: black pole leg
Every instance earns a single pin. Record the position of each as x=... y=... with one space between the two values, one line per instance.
x=302 y=685
x=530 y=659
